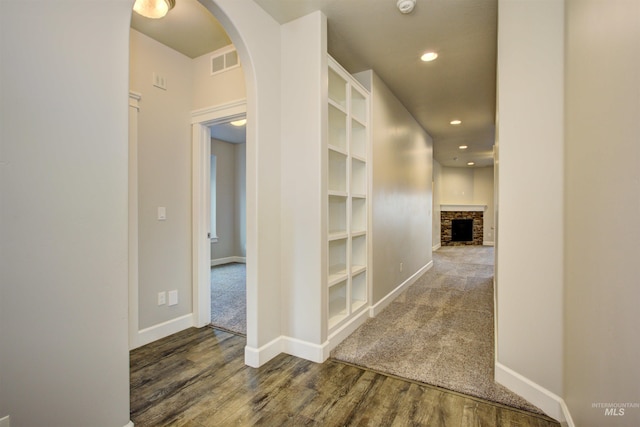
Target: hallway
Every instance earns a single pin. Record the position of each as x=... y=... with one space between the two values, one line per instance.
x=439 y=331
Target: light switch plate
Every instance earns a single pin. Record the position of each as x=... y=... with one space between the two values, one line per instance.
x=162 y=213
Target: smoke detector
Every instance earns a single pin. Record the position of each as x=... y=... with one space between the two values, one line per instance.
x=406 y=6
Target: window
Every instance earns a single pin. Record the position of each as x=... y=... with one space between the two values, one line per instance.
x=214 y=232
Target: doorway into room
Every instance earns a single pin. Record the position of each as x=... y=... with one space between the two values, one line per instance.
x=228 y=226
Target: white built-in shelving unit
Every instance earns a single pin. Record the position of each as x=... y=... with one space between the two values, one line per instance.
x=347 y=188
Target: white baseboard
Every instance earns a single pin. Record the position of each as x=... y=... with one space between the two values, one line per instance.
x=343 y=332
x=228 y=260
x=256 y=357
x=487 y=243
x=5 y=421
x=161 y=330
x=378 y=307
x=129 y=424
x=552 y=404
x=436 y=247
x=303 y=349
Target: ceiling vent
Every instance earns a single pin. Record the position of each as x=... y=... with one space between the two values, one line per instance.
x=224 y=59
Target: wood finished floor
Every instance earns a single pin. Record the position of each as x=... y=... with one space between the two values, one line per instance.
x=197 y=378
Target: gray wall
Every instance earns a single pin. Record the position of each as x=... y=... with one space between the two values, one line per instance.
x=531 y=179
x=164 y=177
x=602 y=295
x=402 y=193
x=164 y=168
x=63 y=213
x=230 y=203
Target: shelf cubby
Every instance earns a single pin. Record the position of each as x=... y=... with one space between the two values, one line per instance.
x=358 y=215
x=358 y=177
x=337 y=128
x=358 y=253
x=358 y=105
x=358 y=291
x=337 y=259
x=337 y=215
x=337 y=172
x=358 y=140
x=337 y=89
x=337 y=303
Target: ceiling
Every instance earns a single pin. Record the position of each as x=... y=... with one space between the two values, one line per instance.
x=228 y=133
x=373 y=34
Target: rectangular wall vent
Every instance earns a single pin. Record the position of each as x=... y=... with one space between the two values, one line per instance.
x=224 y=59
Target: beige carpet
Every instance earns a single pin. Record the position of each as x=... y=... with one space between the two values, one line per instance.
x=229 y=297
x=440 y=330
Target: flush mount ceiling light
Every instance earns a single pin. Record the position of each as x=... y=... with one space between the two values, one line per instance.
x=154 y=9
x=470 y=163
x=428 y=56
x=239 y=123
x=455 y=122
x=463 y=147
x=406 y=6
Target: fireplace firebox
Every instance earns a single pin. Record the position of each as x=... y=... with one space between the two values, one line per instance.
x=462 y=230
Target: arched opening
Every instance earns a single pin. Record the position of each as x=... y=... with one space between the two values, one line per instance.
x=262 y=205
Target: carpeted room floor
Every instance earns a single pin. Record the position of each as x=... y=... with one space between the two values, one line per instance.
x=440 y=330
x=229 y=297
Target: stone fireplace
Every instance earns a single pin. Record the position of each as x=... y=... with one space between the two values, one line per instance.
x=461 y=225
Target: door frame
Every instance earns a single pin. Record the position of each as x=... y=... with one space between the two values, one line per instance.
x=201 y=120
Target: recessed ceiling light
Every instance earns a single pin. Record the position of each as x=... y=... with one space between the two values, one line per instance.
x=455 y=122
x=470 y=163
x=463 y=147
x=429 y=56
x=239 y=123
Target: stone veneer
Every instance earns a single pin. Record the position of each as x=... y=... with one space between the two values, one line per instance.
x=445 y=227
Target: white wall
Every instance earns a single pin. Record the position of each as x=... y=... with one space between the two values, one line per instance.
x=63 y=216
x=257 y=37
x=602 y=210
x=402 y=193
x=230 y=192
x=304 y=64
x=164 y=177
x=471 y=186
x=531 y=179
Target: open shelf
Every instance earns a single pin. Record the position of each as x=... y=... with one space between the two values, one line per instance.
x=358 y=215
x=348 y=206
x=337 y=128
x=358 y=291
x=358 y=140
x=337 y=303
x=358 y=252
x=358 y=105
x=337 y=171
x=337 y=259
x=337 y=214
x=337 y=89
x=358 y=177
